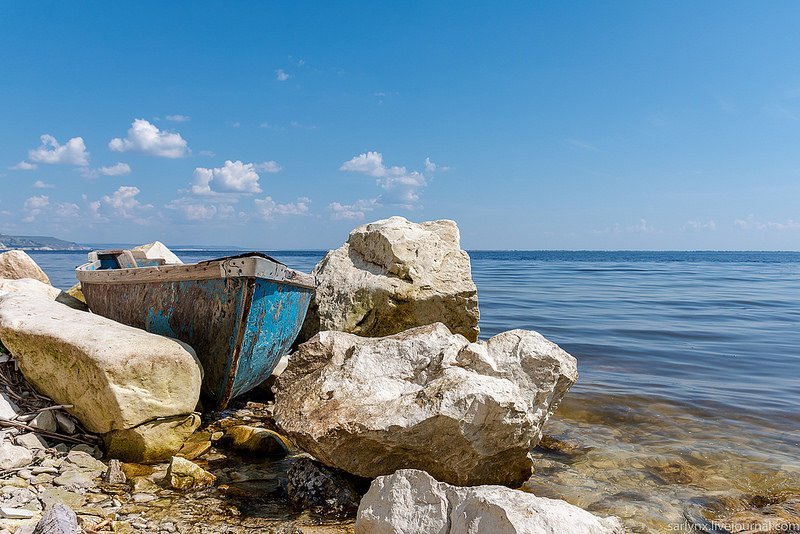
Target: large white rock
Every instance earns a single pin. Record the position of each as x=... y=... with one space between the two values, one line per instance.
x=468 y=413
x=16 y=264
x=115 y=376
x=158 y=250
x=413 y=502
x=392 y=275
x=29 y=286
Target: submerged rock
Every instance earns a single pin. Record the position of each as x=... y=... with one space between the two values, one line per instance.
x=468 y=413
x=183 y=474
x=413 y=502
x=114 y=473
x=255 y=440
x=392 y=275
x=116 y=377
x=153 y=441
x=16 y=264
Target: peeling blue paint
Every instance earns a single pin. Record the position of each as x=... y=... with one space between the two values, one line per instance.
x=158 y=322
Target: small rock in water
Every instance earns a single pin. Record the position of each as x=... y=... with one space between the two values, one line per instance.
x=197 y=445
x=255 y=440
x=153 y=441
x=114 y=474
x=322 y=490
x=143 y=497
x=183 y=474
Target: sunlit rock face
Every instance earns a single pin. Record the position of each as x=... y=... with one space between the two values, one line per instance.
x=468 y=413
x=393 y=275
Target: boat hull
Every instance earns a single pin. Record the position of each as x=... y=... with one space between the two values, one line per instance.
x=239 y=327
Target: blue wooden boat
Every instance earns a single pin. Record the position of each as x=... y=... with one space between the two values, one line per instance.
x=241 y=314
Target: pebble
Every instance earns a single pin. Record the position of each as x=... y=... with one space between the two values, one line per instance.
x=143 y=497
x=45 y=420
x=74 y=479
x=16 y=513
x=31 y=441
x=39 y=469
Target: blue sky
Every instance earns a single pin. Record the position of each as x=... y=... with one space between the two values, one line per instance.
x=561 y=125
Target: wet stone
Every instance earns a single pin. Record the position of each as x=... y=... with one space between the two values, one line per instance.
x=322 y=490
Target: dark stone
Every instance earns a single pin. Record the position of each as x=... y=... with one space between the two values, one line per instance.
x=323 y=490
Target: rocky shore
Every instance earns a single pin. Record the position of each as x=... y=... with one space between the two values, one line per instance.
x=390 y=415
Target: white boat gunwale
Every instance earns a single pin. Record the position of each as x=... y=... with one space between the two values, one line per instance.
x=235 y=267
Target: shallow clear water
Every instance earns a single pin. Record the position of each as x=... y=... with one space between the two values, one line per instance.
x=689 y=372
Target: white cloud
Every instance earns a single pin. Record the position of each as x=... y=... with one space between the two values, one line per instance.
x=750 y=223
x=700 y=225
x=118 y=169
x=193 y=210
x=66 y=210
x=38 y=184
x=179 y=118
x=33 y=206
x=402 y=187
x=642 y=227
x=267 y=166
x=94 y=210
x=431 y=167
x=24 y=166
x=355 y=211
x=370 y=163
x=268 y=208
x=145 y=137
x=232 y=177
x=281 y=75
x=124 y=202
x=73 y=152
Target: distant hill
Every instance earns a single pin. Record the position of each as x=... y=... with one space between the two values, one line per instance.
x=30 y=242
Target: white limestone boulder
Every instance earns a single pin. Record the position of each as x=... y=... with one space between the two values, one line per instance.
x=392 y=275
x=157 y=250
x=468 y=413
x=29 y=286
x=16 y=264
x=115 y=376
x=413 y=502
